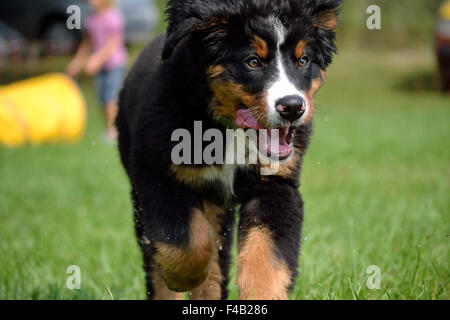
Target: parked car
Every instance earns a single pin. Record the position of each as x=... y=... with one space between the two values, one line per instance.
x=11 y=43
x=46 y=20
x=141 y=16
x=443 y=44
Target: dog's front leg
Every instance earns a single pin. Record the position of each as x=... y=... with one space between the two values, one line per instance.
x=175 y=235
x=268 y=243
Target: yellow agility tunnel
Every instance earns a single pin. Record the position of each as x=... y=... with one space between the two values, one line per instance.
x=46 y=108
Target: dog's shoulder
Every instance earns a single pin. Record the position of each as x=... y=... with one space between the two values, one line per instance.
x=148 y=61
x=140 y=82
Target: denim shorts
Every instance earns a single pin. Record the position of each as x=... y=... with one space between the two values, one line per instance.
x=108 y=84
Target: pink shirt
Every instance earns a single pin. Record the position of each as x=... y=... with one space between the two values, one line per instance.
x=102 y=26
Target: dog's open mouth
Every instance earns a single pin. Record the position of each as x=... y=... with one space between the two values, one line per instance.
x=280 y=149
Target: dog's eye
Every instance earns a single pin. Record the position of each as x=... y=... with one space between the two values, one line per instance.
x=254 y=62
x=303 y=62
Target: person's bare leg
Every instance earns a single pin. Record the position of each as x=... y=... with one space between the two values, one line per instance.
x=110 y=111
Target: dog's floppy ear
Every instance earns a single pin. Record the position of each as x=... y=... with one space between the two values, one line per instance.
x=326 y=14
x=324 y=17
x=212 y=26
x=176 y=34
x=190 y=16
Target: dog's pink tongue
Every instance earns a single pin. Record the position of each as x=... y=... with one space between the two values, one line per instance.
x=285 y=136
x=282 y=147
x=246 y=119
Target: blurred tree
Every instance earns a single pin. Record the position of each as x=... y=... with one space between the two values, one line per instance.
x=403 y=22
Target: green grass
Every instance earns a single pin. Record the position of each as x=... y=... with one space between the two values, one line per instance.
x=375 y=183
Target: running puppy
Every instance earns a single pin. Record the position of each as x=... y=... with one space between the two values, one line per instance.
x=250 y=64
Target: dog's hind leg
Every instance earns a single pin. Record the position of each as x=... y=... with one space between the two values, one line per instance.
x=225 y=253
x=215 y=285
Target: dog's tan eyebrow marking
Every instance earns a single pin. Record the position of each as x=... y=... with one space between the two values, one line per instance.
x=299 y=48
x=260 y=47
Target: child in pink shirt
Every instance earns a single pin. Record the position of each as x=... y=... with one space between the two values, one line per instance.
x=102 y=54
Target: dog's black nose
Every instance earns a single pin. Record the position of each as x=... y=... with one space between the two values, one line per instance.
x=291 y=108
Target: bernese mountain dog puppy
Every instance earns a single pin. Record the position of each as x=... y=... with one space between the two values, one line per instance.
x=227 y=64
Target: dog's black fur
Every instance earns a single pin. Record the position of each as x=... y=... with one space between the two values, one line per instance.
x=180 y=78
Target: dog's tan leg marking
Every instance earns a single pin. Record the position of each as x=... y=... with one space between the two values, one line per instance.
x=186 y=268
x=160 y=290
x=260 y=274
x=211 y=288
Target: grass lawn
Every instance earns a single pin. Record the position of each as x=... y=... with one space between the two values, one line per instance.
x=375 y=183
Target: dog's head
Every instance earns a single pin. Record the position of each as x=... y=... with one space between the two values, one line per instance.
x=265 y=58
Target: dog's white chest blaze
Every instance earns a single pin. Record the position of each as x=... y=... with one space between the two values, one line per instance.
x=223 y=174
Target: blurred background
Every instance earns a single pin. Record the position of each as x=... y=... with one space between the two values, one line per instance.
x=375 y=180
